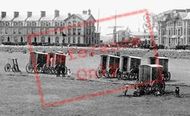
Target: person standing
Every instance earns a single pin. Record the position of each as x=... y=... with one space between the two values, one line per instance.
x=177 y=92
x=51 y=62
x=63 y=69
x=58 y=69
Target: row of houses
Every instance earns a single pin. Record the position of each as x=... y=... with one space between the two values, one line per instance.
x=72 y=29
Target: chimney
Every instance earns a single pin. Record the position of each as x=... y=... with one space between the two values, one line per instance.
x=3 y=14
x=43 y=13
x=69 y=14
x=56 y=13
x=16 y=14
x=29 y=14
x=187 y=10
x=84 y=12
x=89 y=12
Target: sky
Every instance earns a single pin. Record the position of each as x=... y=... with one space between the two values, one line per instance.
x=106 y=8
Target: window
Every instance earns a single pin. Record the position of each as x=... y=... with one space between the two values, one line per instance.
x=20 y=31
x=90 y=31
x=188 y=23
x=188 y=32
x=78 y=40
x=56 y=29
x=1 y=23
x=8 y=39
x=33 y=30
x=74 y=40
x=49 y=40
x=7 y=23
x=179 y=32
x=57 y=40
x=29 y=30
x=69 y=40
x=28 y=23
x=184 y=31
x=62 y=29
x=63 y=41
x=20 y=23
x=42 y=23
x=56 y=24
x=74 y=31
x=79 y=31
x=35 y=40
x=168 y=32
x=47 y=24
x=14 y=31
x=15 y=39
x=6 y=30
x=21 y=40
x=79 y=24
x=46 y=31
x=33 y=23
x=1 y=31
x=86 y=24
x=74 y=24
x=43 y=39
x=62 y=24
x=69 y=31
x=2 y=38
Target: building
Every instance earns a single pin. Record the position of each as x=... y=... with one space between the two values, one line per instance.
x=143 y=36
x=72 y=29
x=174 y=28
x=122 y=35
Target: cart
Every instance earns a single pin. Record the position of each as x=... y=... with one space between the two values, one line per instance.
x=164 y=62
x=48 y=63
x=109 y=66
x=151 y=81
x=129 y=67
x=12 y=65
x=54 y=60
x=36 y=62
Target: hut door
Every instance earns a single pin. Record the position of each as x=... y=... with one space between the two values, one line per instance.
x=104 y=62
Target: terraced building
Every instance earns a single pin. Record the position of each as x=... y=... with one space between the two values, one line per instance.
x=57 y=29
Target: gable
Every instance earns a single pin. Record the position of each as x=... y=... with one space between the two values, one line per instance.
x=73 y=16
x=91 y=18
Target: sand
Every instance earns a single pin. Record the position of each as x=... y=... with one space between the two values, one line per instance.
x=19 y=95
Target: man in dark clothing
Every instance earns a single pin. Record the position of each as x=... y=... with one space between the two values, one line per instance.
x=177 y=91
x=58 y=69
x=63 y=69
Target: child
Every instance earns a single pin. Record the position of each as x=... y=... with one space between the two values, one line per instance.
x=177 y=91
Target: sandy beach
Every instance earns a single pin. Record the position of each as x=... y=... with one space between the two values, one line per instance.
x=19 y=96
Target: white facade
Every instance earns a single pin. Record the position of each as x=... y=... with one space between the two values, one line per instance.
x=174 y=28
